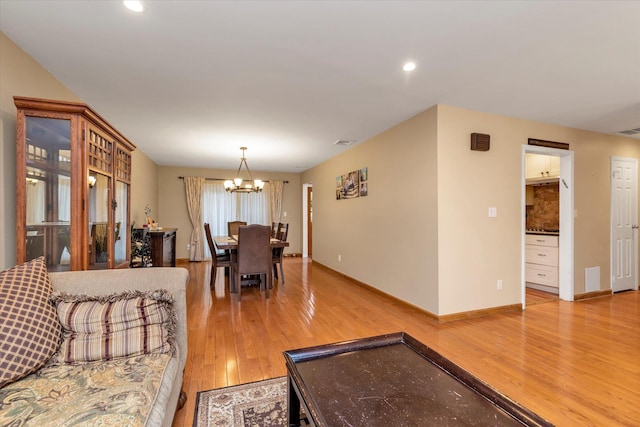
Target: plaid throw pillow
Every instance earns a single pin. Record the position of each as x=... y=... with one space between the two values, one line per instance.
x=114 y=326
x=29 y=328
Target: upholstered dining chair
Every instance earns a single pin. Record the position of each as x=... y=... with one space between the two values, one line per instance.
x=217 y=260
x=232 y=227
x=253 y=257
x=282 y=234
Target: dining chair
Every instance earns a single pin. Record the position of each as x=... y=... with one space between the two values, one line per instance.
x=277 y=253
x=253 y=257
x=217 y=260
x=274 y=229
x=232 y=227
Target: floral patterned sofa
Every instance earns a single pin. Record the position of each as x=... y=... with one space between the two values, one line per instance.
x=100 y=347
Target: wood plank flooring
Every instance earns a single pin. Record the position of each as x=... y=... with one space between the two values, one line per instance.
x=535 y=296
x=575 y=364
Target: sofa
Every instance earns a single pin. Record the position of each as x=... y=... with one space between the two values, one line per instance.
x=130 y=375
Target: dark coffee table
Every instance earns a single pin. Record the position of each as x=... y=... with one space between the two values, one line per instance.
x=393 y=380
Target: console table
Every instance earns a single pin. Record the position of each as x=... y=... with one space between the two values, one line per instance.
x=153 y=248
x=163 y=247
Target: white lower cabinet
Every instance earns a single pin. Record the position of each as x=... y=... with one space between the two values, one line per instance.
x=542 y=275
x=541 y=254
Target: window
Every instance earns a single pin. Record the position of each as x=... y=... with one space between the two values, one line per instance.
x=220 y=207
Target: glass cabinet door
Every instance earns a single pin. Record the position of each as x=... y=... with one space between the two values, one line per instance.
x=121 y=234
x=73 y=188
x=100 y=241
x=48 y=191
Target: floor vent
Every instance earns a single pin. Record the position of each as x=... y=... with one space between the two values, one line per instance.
x=592 y=279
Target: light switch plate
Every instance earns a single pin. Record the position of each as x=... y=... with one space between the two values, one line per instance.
x=493 y=212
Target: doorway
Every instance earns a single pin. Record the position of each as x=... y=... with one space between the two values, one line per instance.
x=566 y=213
x=307 y=220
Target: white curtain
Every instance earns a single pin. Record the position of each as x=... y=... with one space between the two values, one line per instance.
x=194 y=188
x=64 y=198
x=35 y=202
x=220 y=207
x=277 y=188
x=254 y=207
x=98 y=200
x=121 y=217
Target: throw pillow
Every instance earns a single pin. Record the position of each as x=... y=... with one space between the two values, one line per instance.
x=29 y=328
x=113 y=326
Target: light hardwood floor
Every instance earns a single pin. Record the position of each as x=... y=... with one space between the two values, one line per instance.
x=534 y=296
x=576 y=364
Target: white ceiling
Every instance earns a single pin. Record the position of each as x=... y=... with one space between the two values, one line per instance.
x=189 y=82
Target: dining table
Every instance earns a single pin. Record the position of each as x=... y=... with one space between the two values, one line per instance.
x=230 y=243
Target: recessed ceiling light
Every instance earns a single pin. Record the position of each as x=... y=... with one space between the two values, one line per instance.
x=409 y=66
x=133 y=5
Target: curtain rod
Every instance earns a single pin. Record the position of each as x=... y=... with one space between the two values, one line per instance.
x=222 y=179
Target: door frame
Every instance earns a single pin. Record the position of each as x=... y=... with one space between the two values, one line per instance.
x=305 y=214
x=634 y=221
x=567 y=214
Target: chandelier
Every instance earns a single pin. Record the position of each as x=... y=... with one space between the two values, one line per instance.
x=236 y=186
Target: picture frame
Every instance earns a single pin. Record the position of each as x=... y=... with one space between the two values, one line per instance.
x=352 y=184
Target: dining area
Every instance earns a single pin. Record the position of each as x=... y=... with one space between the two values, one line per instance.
x=251 y=255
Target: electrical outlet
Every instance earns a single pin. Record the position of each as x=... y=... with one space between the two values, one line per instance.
x=339 y=258
x=499 y=285
x=188 y=246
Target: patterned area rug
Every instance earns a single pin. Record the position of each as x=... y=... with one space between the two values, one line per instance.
x=262 y=403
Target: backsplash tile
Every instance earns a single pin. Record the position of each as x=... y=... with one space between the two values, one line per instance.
x=545 y=211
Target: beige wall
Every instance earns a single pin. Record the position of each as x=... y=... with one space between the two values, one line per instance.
x=422 y=234
x=592 y=200
x=469 y=182
x=144 y=187
x=21 y=75
x=475 y=251
x=173 y=204
x=389 y=238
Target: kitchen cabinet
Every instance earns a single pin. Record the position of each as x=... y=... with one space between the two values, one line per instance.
x=541 y=166
x=73 y=173
x=541 y=255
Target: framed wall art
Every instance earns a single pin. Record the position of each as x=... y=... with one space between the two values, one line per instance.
x=352 y=184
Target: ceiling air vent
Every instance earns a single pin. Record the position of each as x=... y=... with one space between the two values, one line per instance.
x=631 y=131
x=344 y=142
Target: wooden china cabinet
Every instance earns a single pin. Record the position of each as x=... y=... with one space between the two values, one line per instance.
x=73 y=186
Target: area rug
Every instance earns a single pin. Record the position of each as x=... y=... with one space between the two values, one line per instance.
x=262 y=403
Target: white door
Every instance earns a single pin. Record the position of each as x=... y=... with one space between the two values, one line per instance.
x=624 y=224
